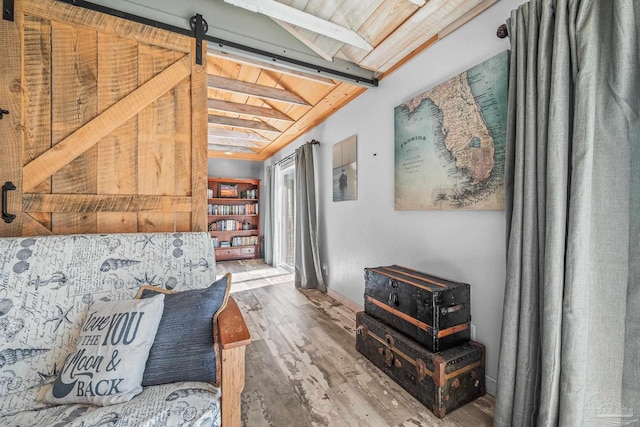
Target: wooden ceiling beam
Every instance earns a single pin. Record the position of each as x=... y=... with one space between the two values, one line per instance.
x=223 y=149
x=241 y=123
x=216 y=140
x=247 y=109
x=418 y=3
x=236 y=134
x=252 y=89
x=305 y=20
x=270 y=67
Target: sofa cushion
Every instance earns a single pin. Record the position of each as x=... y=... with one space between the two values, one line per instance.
x=186 y=404
x=107 y=365
x=184 y=346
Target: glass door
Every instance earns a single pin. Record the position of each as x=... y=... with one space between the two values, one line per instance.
x=284 y=214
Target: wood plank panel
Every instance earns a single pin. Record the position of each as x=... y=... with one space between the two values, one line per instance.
x=74 y=102
x=104 y=202
x=79 y=17
x=259 y=91
x=118 y=151
x=88 y=135
x=156 y=145
x=199 y=129
x=10 y=125
x=246 y=109
x=183 y=122
x=37 y=98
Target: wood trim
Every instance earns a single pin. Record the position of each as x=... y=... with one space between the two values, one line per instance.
x=91 y=133
x=233 y=329
x=199 y=141
x=486 y=4
x=233 y=376
x=253 y=89
x=247 y=109
x=400 y=314
x=452 y=330
x=80 y=17
x=74 y=203
x=404 y=279
x=241 y=123
x=422 y=278
x=463 y=370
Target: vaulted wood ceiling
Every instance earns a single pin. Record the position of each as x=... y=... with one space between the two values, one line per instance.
x=256 y=108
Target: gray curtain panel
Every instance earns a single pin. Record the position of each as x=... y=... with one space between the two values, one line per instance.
x=308 y=271
x=268 y=216
x=570 y=335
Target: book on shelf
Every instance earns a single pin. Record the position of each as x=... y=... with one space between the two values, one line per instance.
x=249 y=194
x=230 y=225
x=215 y=241
x=244 y=241
x=247 y=209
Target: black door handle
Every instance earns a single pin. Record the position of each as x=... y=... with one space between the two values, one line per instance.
x=6 y=216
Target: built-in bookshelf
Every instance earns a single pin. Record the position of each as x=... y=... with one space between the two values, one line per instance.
x=234 y=217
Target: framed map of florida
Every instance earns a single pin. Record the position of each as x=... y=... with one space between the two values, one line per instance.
x=450 y=142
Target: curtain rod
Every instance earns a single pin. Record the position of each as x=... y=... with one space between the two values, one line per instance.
x=312 y=142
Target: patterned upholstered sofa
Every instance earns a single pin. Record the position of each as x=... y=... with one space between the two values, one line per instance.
x=46 y=288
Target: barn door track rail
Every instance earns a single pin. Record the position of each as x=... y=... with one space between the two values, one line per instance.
x=199 y=28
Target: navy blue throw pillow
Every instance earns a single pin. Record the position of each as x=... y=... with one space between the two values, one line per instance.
x=184 y=348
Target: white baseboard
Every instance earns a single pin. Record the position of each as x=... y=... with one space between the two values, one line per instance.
x=491 y=384
x=345 y=301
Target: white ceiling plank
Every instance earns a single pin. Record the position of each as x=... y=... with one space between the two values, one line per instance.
x=291 y=29
x=289 y=14
x=424 y=24
x=418 y=3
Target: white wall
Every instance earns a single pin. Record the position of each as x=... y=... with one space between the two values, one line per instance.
x=368 y=232
x=230 y=168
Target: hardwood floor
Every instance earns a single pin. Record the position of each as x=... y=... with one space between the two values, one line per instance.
x=302 y=368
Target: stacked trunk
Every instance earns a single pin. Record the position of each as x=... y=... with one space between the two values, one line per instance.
x=415 y=328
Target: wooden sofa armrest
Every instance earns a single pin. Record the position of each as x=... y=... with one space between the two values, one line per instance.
x=234 y=336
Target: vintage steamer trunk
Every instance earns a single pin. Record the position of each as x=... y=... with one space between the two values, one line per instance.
x=441 y=381
x=434 y=312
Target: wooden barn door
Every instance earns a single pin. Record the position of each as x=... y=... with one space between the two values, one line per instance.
x=107 y=123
